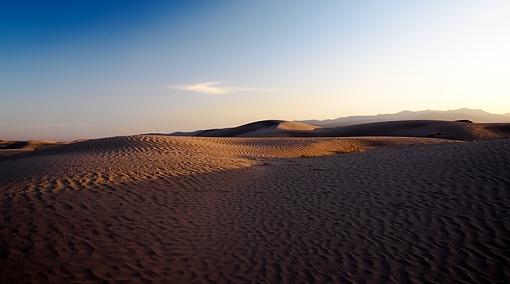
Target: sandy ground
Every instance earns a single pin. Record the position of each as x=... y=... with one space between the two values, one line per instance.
x=193 y=210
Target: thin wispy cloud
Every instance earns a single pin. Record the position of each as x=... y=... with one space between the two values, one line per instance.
x=217 y=88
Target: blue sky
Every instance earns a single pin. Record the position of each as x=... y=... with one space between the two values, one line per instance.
x=82 y=69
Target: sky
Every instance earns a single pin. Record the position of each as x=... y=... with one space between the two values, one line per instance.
x=86 y=69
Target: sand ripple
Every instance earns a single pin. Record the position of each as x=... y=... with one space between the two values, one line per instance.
x=182 y=210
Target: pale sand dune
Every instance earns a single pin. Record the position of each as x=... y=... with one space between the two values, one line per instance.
x=296 y=125
x=184 y=210
x=263 y=128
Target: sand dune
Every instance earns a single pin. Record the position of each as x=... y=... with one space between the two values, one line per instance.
x=455 y=130
x=25 y=145
x=16 y=147
x=264 y=128
x=195 y=210
x=135 y=158
x=458 y=130
x=500 y=129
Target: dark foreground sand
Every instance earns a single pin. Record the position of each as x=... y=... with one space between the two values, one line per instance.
x=184 y=210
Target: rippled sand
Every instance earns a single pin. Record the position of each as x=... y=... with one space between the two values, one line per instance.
x=180 y=209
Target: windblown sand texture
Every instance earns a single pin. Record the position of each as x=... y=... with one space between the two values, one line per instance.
x=194 y=210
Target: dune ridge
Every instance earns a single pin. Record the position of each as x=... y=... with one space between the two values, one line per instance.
x=263 y=128
x=455 y=130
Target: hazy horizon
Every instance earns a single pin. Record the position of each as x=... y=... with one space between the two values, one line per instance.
x=87 y=69
x=72 y=138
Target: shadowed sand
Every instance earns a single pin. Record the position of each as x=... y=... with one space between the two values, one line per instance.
x=17 y=147
x=181 y=209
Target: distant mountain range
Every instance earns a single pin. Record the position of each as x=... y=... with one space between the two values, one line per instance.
x=474 y=115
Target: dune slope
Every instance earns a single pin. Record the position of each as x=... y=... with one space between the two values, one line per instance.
x=458 y=130
x=135 y=158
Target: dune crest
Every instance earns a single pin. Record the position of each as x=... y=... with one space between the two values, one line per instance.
x=455 y=130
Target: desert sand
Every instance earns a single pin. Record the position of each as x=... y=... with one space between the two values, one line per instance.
x=163 y=209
